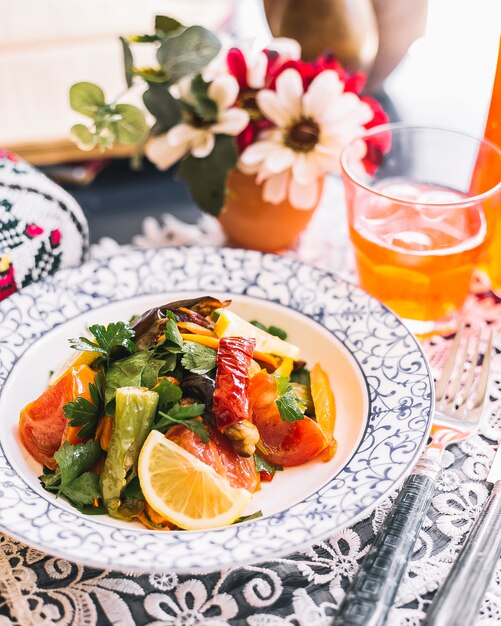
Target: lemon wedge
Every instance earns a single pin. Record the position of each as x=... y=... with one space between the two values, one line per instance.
x=229 y=324
x=184 y=490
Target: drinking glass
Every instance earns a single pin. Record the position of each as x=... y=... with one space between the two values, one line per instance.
x=417 y=230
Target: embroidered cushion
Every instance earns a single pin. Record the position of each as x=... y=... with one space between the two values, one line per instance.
x=42 y=228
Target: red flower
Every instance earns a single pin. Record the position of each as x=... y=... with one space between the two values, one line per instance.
x=33 y=230
x=237 y=67
x=378 y=145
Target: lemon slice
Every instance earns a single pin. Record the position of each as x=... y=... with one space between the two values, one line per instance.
x=184 y=490
x=229 y=324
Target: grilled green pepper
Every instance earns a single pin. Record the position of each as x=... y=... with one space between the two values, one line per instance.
x=135 y=411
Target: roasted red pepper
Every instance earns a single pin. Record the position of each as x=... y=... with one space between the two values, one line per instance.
x=231 y=402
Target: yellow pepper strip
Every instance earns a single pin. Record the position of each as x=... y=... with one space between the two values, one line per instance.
x=285 y=367
x=210 y=342
x=195 y=329
x=325 y=408
x=213 y=342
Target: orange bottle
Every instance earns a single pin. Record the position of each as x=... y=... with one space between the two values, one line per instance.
x=487 y=175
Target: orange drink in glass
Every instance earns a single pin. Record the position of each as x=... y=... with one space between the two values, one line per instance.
x=416 y=230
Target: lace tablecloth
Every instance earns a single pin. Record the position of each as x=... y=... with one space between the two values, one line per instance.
x=305 y=588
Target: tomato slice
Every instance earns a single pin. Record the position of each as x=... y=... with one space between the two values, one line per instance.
x=220 y=454
x=231 y=402
x=281 y=443
x=42 y=424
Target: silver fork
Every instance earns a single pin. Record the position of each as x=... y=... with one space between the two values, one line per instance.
x=459 y=400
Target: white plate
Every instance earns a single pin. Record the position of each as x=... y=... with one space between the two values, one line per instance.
x=380 y=379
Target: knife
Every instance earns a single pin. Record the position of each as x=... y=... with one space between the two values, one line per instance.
x=457 y=602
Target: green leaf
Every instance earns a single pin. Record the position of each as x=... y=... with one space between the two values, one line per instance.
x=206 y=178
x=166 y=25
x=203 y=106
x=85 y=345
x=170 y=362
x=163 y=106
x=84 y=413
x=83 y=137
x=168 y=394
x=83 y=490
x=288 y=407
x=188 y=52
x=188 y=411
x=262 y=465
x=87 y=98
x=128 y=61
x=184 y=415
x=197 y=358
x=151 y=74
x=199 y=428
x=131 y=128
x=173 y=340
x=149 y=376
x=113 y=335
x=129 y=372
x=72 y=461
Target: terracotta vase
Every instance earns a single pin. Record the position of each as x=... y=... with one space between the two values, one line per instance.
x=250 y=222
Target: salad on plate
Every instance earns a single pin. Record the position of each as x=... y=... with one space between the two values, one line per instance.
x=175 y=418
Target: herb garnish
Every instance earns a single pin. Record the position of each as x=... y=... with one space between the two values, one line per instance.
x=198 y=358
x=73 y=478
x=286 y=402
x=184 y=415
x=84 y=413
x=106 y=338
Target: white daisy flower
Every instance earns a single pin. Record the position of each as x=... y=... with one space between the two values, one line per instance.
x=198 y=139
x=311 y=129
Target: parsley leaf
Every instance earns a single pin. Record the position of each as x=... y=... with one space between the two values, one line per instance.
x=168 y=394
x=184 y=415
x=262 y=465
x=188 y=411
x=84 y=413
x=198 y=358
x=83 y=490
x=106 y=338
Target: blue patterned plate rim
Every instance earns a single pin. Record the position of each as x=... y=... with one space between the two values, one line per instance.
x=396 y=372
